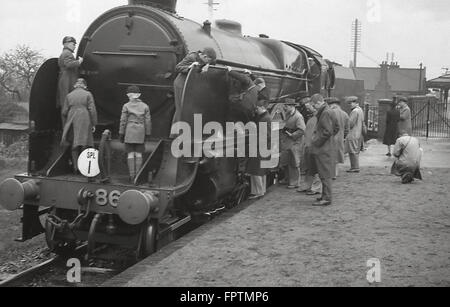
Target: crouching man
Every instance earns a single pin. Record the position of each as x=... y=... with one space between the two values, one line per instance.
x=408 y=156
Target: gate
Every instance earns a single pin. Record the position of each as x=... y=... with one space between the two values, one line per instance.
x=430 y=117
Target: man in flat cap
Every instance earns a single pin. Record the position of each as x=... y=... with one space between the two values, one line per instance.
x=343 y=121
x=405 y=123
x=353 y=144
x=199 y=59
x=291 y=140
x=68 y=71
x=323 y=157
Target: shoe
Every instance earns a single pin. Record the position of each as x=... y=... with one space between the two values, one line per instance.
x=251 y=197
x=319 y=199
x=291 y=187
x=353 y=171
x=389 y=155
x=323 y=203
x=304 y=191
x=312 y=193
x=334 y=178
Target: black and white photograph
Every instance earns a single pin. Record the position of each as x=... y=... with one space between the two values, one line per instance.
x=224 y=149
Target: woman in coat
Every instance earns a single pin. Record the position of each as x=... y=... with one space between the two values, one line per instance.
x=391 y=134
x=68 y=70
x=135 y=128
x=80 y=116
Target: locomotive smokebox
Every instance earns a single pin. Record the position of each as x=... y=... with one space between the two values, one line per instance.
x=168 y=5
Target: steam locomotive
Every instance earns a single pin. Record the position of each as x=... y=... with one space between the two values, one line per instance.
x=140 y=44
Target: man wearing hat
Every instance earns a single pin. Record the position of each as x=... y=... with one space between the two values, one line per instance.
x=323 y=152
x=80 y=117
x=68 y=70
x=135 y=128
x=200 y=59
x=353 y=144
x=405 y=123
x=291 y=143
x=344 y=128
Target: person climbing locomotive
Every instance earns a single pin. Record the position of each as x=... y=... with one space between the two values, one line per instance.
x=291 y=143
x=80 y=117
x=263 y=92
x=243 y=96
x=135 y=129
x=68 y=71
x=200 y=59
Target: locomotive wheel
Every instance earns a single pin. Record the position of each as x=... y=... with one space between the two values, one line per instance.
x=58 y=247
x=148 y=239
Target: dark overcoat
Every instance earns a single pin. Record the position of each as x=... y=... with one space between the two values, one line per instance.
x=254 y=164
x=391 y=134
x=344 y=128
x=323 y=145
x=81 y=115
x=68 y=75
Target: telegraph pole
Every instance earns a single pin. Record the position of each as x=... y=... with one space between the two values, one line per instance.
x=356 y=40
x=211 y=8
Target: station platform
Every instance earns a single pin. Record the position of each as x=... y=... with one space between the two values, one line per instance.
x=283 y=241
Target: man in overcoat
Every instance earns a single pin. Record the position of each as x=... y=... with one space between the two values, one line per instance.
x=343 y=121
x=353 y=142
x=291 y=139
x=323 y=148
x=68 y=71
x=80 y=116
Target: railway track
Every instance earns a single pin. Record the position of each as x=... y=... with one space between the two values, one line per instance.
x=93 y=272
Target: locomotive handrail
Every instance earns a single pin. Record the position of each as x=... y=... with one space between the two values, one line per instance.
x=250 y=67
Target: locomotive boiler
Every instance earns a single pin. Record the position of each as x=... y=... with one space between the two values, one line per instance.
x=140 y=44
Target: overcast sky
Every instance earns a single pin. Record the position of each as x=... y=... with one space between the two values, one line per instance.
x=415 y=30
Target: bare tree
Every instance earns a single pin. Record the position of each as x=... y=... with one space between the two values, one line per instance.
x=17 y=70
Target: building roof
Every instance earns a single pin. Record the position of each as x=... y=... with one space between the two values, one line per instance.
x=441 y=82
x=344 y=73
x=400 y=79
x=12 y=126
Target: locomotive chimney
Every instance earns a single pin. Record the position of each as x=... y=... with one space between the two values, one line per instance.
x=168 y=5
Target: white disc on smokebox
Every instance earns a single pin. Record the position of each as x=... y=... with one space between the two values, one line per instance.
x=88 y=163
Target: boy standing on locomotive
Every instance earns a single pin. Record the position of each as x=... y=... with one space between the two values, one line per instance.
x=135 y=128
x=201 y=59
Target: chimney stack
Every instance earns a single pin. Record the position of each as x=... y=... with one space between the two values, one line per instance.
x=167 y=5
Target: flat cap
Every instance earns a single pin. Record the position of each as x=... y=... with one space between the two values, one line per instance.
x=290 y=102
x=351 y=99
x=332 y=100
x=69 y=39
x=402 y=98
